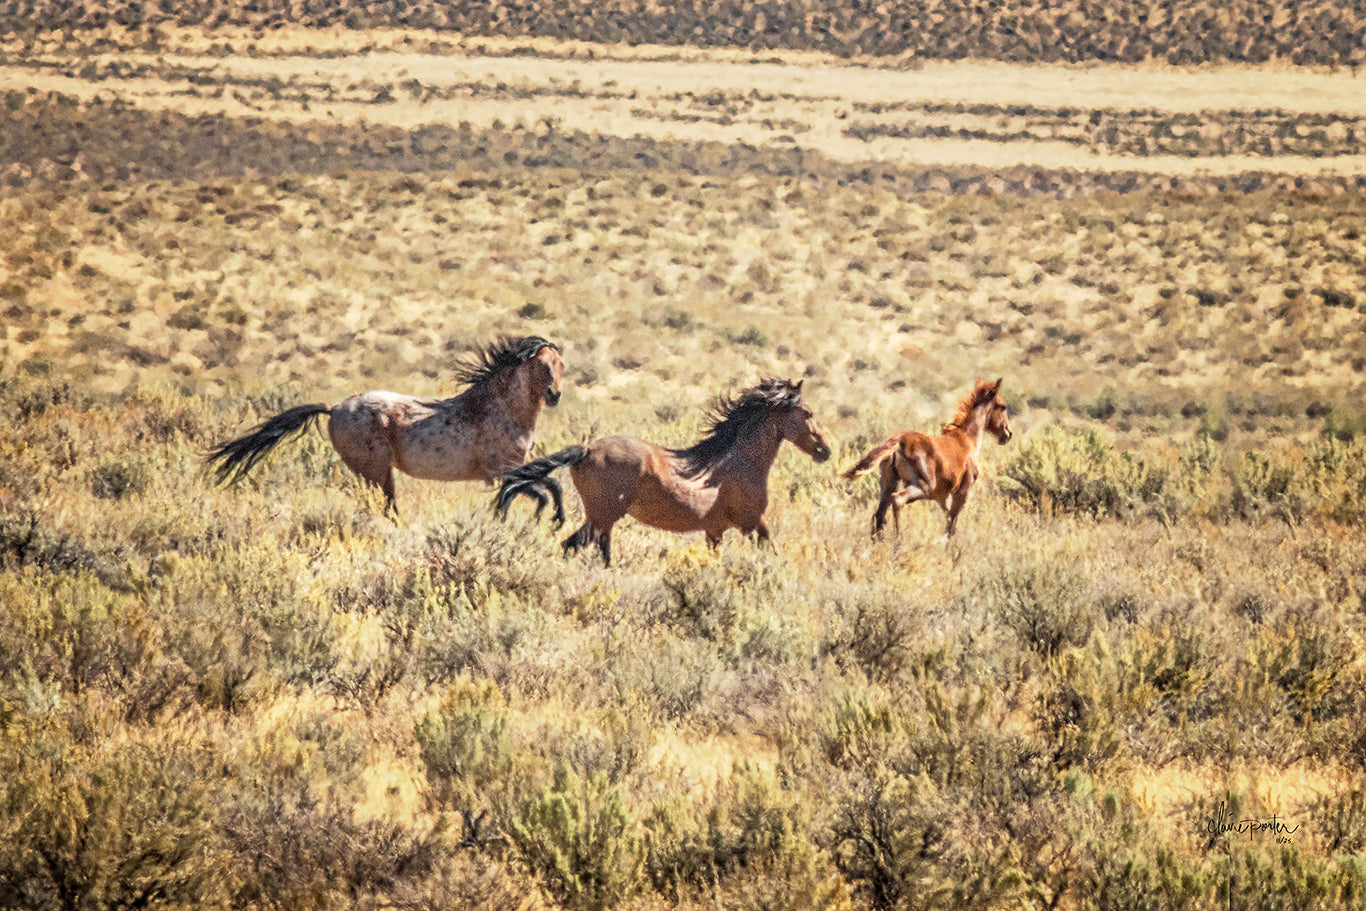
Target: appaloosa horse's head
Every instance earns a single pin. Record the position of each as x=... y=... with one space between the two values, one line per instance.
x=530 y=364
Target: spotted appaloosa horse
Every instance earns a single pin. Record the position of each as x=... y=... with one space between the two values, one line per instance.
x=941 y=468
x=720 y=482
x=477 y=435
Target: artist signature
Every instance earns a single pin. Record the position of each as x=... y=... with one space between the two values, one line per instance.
x=1221 y=822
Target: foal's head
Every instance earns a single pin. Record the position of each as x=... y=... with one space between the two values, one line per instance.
x=998 y=421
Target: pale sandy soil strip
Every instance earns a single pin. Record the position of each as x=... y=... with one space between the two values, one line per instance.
x=806 y=104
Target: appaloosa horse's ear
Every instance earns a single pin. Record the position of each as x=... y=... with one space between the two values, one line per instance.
x=798 y=387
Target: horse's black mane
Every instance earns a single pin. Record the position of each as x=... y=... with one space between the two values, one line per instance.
x=734 y=418
x=503 y=353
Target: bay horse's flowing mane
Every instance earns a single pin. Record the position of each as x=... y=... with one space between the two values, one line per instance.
x=502 y=354
x=734 y=418
x=982 y=393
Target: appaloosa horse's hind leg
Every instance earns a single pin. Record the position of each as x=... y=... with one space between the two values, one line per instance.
x=364 y=450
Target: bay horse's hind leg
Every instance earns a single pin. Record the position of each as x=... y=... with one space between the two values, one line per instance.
x=582 y=537
x=586 y=535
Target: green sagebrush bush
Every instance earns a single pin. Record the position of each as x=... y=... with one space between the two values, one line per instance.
x=95 y=814
x=70 y=635
x=464 y=746
x=28 y=540
x=1081 y=472
x=578 y=833
x=1045 y=599
x=288 y=818
x=748 y=844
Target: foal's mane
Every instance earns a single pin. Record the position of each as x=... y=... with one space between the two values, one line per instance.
x=504 y=353
x=981 y=394
x=734 y=418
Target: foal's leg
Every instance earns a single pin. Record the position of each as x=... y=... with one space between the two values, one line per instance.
x=888 y=482
x=954 y=505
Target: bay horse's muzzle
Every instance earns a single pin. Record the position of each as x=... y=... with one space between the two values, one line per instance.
x=820 y=453
x=552 y=396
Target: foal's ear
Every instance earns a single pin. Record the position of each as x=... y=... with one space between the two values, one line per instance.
x=999 y=381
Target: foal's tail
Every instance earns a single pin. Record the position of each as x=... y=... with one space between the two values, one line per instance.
x=534 y=480
x=876 y=455
x=237 y=457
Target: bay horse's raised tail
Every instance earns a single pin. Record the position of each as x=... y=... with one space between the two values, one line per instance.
x=478 y=435
x=534 y=480
x=237 y=457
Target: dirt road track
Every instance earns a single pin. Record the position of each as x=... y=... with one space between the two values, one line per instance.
x=713 y=97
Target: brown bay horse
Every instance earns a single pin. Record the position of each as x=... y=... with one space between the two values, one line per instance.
x=477 y=435
x=720 y=482
x=942 y=468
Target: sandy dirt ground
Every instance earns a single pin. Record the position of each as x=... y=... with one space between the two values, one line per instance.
x=805 y=100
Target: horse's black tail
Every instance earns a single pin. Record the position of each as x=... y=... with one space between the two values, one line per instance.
x=237 y=457
x=534 y=480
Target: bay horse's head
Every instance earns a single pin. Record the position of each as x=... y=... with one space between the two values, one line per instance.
x=998 y=421
x=799 y=425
